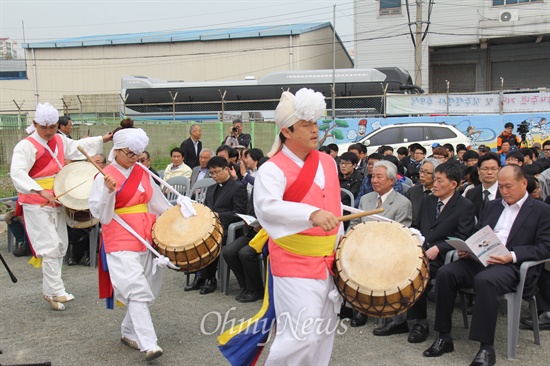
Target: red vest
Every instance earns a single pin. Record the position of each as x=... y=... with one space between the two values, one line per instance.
x=44 y=166
x=116 y=238
x=286 y=264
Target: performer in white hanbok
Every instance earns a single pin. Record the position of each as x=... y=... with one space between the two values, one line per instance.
x=127 y=191
x=35 y=162
x=297 y=201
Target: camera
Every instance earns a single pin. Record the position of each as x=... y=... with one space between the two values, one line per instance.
x=523 y=128
x=235 y=129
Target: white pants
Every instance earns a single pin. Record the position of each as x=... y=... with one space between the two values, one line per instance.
x=306 y=321
x=135 y=285
x=47 y=231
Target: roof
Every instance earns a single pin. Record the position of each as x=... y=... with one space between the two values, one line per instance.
x=182 y=36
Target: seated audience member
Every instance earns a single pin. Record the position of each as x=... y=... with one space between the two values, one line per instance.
x=400 y=178
x=531 y=169
x=505 y=149
x=334 y=152
x=349 y=178
x=514 y=157
x=402 y=152
x=419 y=154
x=481 y=195
x=229 y=154
x=441 y=154
x=522 y=224
x=145 y=159
x=483 y=149
x=324 y=149
x=406 y=160
x=460 y=151
x=361 y=151
x=528 y=155
x=177 y=167
x=397 y=208
x=470 y=179
x=444 y=214
x=226 y=199
x=249 y=167
x=450 y=152
x=366 y=186
x=201 y=171
x=385 y=150
x=14 y=221
x=469 y=158
x=416 y=193
x=533 y=187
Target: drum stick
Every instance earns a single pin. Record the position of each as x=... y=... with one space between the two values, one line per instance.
x=64 y=193
x=90 y=159
x=360 y=214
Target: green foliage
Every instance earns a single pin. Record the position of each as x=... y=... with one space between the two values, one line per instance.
x=338 y=135
x=341 y=123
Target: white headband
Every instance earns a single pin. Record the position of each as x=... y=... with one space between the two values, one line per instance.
x=45 y=115
x=135 y=139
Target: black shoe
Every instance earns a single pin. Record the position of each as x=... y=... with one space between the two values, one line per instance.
x=391 y=328
x=209 y=286
x=85 y=261
x=252 y=296
x=71 y=262
x=418 y=334
x=22 y=250
x=345 y=312
x=544 y=322
x=439 y=347
x=359 y=319
x=197 y=283
x=484 y=358
x=239 y=296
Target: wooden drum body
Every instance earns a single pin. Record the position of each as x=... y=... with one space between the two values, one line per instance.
x=381 y=269
x=75 y=203
x=191 y=243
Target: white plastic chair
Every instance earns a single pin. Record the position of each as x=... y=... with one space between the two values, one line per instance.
x=199 y=189
x=180 y=184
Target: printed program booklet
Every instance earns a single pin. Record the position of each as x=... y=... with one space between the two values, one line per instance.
x=249 y=220
x=481 y=245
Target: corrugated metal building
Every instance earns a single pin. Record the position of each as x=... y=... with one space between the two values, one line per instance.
x=93 y=66
x=471 y=43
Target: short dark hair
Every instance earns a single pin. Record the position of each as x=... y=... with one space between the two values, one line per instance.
x=382 y=149
x=224 y=148
x=531 y=183
x=255 y=154
x=238 y=120
x=545 y=143
x=452 y=171
x=324 y=149
x=470 y=154
x=506 y=142
x=349 y=156
x=420 y=147
x=63 y=120
x=403 y=151
x=216 y=162
x=414 y=146
x=333 y=147
x=461 y=147
x=517 y=155
x=525 y=151
x=391 y=159
x=149 y=155
x=375 y=156
x=531 y=169
x=488 y=156
x=508 y=125
x=177 y=149
x=355 y=147
x=449 y=147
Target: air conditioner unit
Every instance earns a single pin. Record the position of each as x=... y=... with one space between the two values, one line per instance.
x=508 y=16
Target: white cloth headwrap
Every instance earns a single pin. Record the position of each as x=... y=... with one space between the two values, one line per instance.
x=307 y=105
x=45 y=115
x=135 y=139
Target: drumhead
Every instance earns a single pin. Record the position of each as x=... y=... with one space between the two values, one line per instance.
x=173 y=231
x=70 y=176
x=379 y=257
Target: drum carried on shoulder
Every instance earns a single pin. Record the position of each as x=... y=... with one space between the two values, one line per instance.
x=191 y=243
x=75 y=180
x=381 y=269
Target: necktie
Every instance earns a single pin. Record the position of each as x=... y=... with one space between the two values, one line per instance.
x=379 y=203
x=438 y=209
x=486 y=194
x=427 y=192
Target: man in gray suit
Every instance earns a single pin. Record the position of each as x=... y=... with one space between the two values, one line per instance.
x=416 y=193
x=201 y=171
x=396 y=207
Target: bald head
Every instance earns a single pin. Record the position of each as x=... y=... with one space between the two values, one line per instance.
x=512 y=184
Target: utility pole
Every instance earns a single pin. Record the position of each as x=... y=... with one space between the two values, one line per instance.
x=418 y=48
x=333 y=89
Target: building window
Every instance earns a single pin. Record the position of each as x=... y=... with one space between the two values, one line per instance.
x=513 y=2
x=389 y=7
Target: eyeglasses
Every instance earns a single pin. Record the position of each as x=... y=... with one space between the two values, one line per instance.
x=418 y=153
x=546 y=150
x=216 y=172
x=486 y=169
x=129 y=154
x=143 y=160
x=345 y=163
x=425 y=172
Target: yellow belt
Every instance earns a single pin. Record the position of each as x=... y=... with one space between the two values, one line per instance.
x=142 y=207
x=45 y=183
x=312 y=246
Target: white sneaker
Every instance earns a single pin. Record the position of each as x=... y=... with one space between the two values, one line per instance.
x=55 y=305
x=153 y=353
x=130 y=343
x=64 y=298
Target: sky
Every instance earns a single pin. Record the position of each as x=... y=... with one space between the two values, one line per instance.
x=46 y=20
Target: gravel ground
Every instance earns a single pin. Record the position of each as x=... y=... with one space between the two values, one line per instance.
x=88 y=334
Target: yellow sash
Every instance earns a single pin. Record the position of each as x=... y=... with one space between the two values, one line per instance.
x=45 y=183
x=312 y=246
x=142 y=207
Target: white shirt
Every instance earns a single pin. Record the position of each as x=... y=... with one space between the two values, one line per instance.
x=282 y=218
x=506 y=220
x=24 y=157
x=492 y=191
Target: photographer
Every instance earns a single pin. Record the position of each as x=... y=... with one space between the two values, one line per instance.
x=507 y=135
x=236 y=136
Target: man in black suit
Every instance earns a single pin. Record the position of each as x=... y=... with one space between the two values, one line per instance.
x=226 y=198
x=487 y=167
x=416 y=193
x=444 y=214
x=522 y=223
x=192 y=146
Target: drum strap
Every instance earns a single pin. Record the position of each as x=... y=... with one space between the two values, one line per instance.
x=298 y=190
x=129 y=188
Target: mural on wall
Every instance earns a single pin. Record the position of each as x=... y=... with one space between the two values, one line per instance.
x=480 y=129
